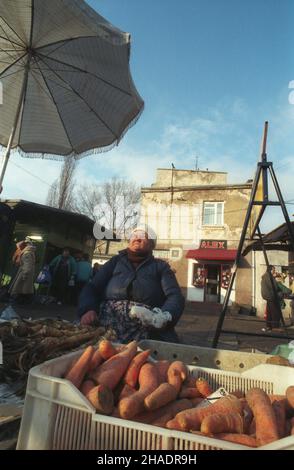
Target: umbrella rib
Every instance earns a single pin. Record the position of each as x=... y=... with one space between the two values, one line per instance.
x=86 y=72
x=53 y=99
x=12 y=73
x=60 y=44
x=6 y=51
x=65 y=41
x=81 y=98
x=32 y=23
x=8 y=63
x=10 y=41
x=23 y=43
x=11 y=65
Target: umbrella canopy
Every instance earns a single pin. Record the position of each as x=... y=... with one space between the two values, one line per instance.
x=65 y=77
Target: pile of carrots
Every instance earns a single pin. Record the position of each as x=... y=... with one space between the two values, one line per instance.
x=123 y=382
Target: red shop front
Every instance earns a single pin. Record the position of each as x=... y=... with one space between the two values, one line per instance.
x=210 y=271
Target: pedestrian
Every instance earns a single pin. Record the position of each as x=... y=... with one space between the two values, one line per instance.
x=283 y=290
x=271 y=293
x=22 y=286
x=63 y=271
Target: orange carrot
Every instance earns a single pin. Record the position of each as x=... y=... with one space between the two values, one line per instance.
x=161 y=416
x=242 y=439
x=169 y=411
x=290 y=395
x=177 y=374
x=196 y=401
x=217 y=423
x=252 y=428
x=191 y=419
x=283 y=398
x=86 y=386
x=190 y=382
x=266 y=423
x=162 y=368
x=190 y=392
x=101 y=397
x=203 y=387
x=292 y=426
x=106 y=349
x=134 y=404
x=96 y=360
x=132 y=374
x=199 y=433
x=279 y=407
x=78 y=371
x=161 y=396
x=275 y=397
x=127 y=391
x=112 y=370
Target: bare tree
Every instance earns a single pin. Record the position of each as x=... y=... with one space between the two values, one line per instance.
x=60 y=195
x=112 y=205
x=52 y=196
x=87 y=200
x=119 y=200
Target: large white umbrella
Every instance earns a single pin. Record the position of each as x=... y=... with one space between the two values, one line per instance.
x=65 y=77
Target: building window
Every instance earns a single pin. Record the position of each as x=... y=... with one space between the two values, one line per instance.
x=213 y=213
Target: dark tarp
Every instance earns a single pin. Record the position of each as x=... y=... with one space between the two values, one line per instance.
x=277 y=239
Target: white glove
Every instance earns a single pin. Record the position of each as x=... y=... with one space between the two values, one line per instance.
x=156 y=317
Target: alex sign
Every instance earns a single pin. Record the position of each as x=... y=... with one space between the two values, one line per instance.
x=215 y=244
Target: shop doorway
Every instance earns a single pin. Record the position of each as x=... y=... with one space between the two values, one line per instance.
x=212 y=284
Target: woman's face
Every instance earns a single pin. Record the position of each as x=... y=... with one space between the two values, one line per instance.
x=139 y=241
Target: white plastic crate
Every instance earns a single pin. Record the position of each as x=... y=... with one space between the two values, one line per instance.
x=57 y=416
x=223 y=359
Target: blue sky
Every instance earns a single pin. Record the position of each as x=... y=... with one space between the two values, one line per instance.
x=210 y=73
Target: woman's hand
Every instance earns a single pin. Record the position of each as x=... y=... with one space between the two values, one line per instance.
x=89 y=318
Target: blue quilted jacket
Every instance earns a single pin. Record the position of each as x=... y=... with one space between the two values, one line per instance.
x=153 y=283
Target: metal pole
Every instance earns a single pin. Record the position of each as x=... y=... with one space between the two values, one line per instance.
x=238 y=258
x=264 y=165
x=264 y=160
x=14 y=126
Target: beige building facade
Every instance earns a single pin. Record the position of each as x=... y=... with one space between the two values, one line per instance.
x=198 y=218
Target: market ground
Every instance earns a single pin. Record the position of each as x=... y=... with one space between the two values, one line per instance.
x=197 y=326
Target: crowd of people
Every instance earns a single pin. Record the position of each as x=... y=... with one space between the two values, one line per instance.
x=66 y=274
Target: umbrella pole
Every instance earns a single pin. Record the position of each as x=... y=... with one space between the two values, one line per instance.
x=14 y=127
x=6 y=156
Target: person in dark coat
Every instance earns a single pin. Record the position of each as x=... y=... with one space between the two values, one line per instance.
x=272 y=297
x=63 y=269
x=22 y=286
x=133 y=278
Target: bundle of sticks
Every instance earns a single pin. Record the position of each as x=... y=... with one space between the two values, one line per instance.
x=27 y=343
